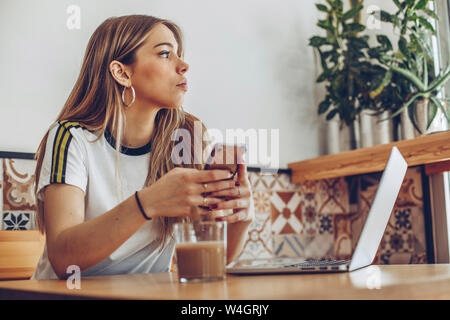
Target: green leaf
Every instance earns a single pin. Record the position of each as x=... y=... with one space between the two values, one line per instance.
x=321 y=7
x=397 y=22
x=411 y=114
x=410 y=76
x=415 y=44
x=425 y=72
x=427 y=24
x=379 y=87
x=331 y=114
x=436 y=102
x=317 y=41
x=324 y=106
x=353 y=12
x=403 y=46
x=431 y=13
x=409 y=3
x=420 y=5
x=323 y=76
x=357 y=43
x=439 y=81
x=385 y=16
x=431 y=112
x=323 y=58
x=406 y=105
x=339 y=5
x=354 y=27
x=325 y=24
x=384 y=41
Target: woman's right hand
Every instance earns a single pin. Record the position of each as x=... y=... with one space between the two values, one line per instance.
x=175 y=193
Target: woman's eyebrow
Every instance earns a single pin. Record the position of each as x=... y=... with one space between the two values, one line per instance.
x=164 y=44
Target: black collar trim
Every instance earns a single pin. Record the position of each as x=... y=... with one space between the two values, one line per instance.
x=125 y=150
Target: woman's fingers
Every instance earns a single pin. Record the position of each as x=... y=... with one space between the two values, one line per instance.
x=205 y=176
x=236 y=191
x=239 y=203
x=201 y=211
x=235 y=217
x=215 y=186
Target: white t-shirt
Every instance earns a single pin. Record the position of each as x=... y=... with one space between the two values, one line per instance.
x=72 y=158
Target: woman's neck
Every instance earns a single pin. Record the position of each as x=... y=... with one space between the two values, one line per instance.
x=140 y=123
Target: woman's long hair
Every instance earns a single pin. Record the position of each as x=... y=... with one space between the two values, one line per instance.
x=95 y=101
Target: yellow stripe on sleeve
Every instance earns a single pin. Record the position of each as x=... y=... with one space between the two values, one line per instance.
x=59 y=150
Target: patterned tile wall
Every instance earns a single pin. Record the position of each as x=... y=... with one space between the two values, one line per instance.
x=17 y=197
x=319 y=220
x=315 y=219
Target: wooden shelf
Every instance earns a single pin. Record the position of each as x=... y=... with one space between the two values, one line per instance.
x=426 y=150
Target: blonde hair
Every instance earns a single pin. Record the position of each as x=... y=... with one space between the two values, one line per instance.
x=95 y=101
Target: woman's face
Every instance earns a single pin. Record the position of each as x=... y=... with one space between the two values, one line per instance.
x=158 y=70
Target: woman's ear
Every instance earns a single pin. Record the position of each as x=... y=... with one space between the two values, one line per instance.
x=120 y=73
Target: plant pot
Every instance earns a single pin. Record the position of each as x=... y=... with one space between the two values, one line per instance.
x=350 y=137
x=407 y=128
x=421 y=109
x=438 y=123
x=365 y=129
x=333 y=143
x=383 y=129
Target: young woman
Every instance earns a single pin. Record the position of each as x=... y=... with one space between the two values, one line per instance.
x=107 y=189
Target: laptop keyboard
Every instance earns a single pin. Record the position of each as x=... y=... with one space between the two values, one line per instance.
x=317 y=263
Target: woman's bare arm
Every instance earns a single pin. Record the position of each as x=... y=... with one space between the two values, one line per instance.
x=71 y=241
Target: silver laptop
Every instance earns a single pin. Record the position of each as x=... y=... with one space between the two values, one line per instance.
x=368 y=243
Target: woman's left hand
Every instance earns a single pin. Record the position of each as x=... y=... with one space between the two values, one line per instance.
x=240 y=199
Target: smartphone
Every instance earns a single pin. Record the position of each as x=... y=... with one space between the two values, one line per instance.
x=226 y=157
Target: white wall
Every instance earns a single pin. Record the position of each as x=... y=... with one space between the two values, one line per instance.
x=250 y=66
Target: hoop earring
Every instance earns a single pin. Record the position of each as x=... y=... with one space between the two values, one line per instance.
x=132 y=99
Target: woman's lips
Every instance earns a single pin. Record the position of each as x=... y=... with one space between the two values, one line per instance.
x=182 y=86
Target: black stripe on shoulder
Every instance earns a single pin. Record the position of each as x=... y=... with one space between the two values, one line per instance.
x=58 y=148
x=66 y=149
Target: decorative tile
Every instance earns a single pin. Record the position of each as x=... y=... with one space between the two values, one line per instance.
x=342 y=236
x=309 y=189
x=270 y=181
x=397 y=242
x=296 y=245
x=258 y=242
x=418 y=228
x=317 y=220
x=286 y=212
x=419 y=258
x=411 y=193
x=262 y=201
x=404 y=238
x=18 y=184
x=332 y=196
x=402 y=218
x=311 y=222
x=310 y=217
x=288 y=246
x=17 y=220
x=325 y=224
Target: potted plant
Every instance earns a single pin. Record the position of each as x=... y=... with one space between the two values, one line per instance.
x=347 y=71
x=409 y=84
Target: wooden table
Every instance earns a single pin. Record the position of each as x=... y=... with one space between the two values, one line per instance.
x=373 y=282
